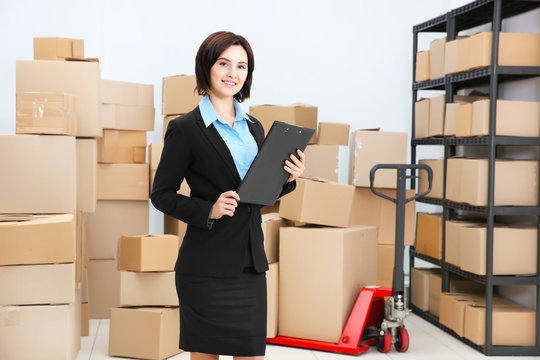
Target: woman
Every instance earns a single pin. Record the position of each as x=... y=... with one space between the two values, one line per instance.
x=220 y=271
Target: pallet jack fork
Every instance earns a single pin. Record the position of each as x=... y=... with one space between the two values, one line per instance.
x=378 y=314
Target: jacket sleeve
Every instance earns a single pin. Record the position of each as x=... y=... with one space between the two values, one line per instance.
x=171 y=171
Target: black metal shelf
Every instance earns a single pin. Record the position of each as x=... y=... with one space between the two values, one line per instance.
x=497 y=210
x=430 y=200
x=428 y=141
x=499 y=140
x=424 y=257
x=437 y=24
x=435 y=84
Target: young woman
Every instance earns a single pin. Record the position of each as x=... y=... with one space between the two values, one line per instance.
x=220 y=271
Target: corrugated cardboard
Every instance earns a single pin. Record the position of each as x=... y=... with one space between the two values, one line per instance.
x=103 y=287
x=144 y=333
x=272 y=281
x=37 y=284
x=333 y=134
x=429 y=234
x=458 y=119
x=46 y=113
x=322 y=162
x=86 y=175
x=85 y=319
x=127 y=117
x=370 y=209
x=38 y=174
x=123 y=182
x=37 y=239
x=422 y=66
x=149 y=288
x=385 y=265
x=456 y=55
x=421 y=118
x=515 y=49
x=452 y=240
x=436 y=58
x=340 y=259
x=147 y=252
x=111 y=220
x=127 y=93
x=57 y=48
x=437 y=167
x=122 y=146
x=81 y=79
x=179 y=95
x=457 y=285
x=377 y=147
x=317 y=202
x=514 y=118
x=81 y=246
x=436 y=116
x=420 y=287
x=271 y=223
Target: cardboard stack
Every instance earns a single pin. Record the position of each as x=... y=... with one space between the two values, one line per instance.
x=178 y=97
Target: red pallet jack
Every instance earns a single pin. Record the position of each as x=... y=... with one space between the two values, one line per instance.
x=374 y=320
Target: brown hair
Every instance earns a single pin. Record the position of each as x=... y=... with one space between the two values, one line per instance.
x=213 y=46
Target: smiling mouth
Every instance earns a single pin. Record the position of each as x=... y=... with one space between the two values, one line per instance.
x=229 y=83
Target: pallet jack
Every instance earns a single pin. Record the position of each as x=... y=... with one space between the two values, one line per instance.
x=378 y=314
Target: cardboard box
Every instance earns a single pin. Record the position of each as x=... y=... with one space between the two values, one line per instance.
x=149 y=288
x=144 y=333
x=111 y=220
x=429 y=234
x=123 y=182
x=420 y=287
x=436 y=58
x=47 y=332
x=333 y=134
x=422 y=66
x=57 y=48
x=456 y=55
x=81 y=79
x=322 y=162
x=39 y=174
x=452 y=242
x=377 y=147
x=179 y=95
x=85 y=320
x=452 y=310
x=385 y=265
x=37 y=239
x=370 y=209
x=127 y=117
x=514 y=118
x=436 y=116
x=270 y=209
x=103 y=287
x=271 y=223
x=458 y=119
x=437 y=167
x=46 y=113
x=37 y=284
x=127 y=93
x=514 y=250
x=147 y=252
x=166 y=120
x=421 y=118
x=317 y=202
x=341 y=259
x=122 y=146
x=272 y=280
x=87 y=155
x=296 y=114
x=456 y=286
x=81 y=247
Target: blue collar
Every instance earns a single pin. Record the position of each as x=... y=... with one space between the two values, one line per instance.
x=210 y=115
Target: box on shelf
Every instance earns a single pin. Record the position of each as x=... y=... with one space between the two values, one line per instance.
x=147 y=252
x=514 y=118
x=123 y=182
x=179 y=95
x=453 y=229
x=457 y=285
x=58 y=48
x=333 y=134
x=127 y=117
x=272 y=279
x=420 y=287
x=325 y=162
x=429 y=234
x=421 y=118
x=103 y=287
x=436 y=58
x=456 y=55
x=148 y=288
x=122 y=146
x=458 y=119
x=436 y=116
x=86 y=174
x=46 y=113
x=385 y=265
x=271 y=223
x=422 y=66
x=437 y=167
x=127 y=93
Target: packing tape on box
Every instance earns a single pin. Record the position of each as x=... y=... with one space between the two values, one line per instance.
x=10 y=315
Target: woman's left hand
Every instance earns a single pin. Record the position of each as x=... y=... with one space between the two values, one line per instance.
x=296 y=166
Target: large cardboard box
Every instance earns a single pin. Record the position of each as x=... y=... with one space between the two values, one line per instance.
x=46 y=113
x=385 y=265
x=179 y=95
x=86 y=174
x=317 y=202
x=437 y=167
x=81 y=79
x=144 y=333
x=38 y=174
x=123 y=182
x=272 y=294
x=103 y=287
x=453 y=230
x=370 y=209
x=127 y=117
x=147 y=252
x=111 y=220
x=296 y=114
x=421 y=118
x=127 y=93
x=122 y=146
x=57 y=48
x=436 y=116
x=271 y=223
x=422 y=66
x=458 y=119
x=333 y=134
x=429 y=234
x=377 y=147
x=515 y=49
x=37 y=239
x=47 y=332
x=323 y=162
x=148 y=288
x=457 y=285
x=436 y=58
x=514 y=118
x=341 y=259
x=420 y=287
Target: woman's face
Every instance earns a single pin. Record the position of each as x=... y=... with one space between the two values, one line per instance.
x=228 y=74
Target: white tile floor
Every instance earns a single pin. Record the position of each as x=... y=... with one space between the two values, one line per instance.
x=427 y=342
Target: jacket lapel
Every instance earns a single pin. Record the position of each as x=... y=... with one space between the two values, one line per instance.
x=257 y=135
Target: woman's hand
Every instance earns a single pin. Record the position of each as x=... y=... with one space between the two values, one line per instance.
x=296 y=166
x=225 y=205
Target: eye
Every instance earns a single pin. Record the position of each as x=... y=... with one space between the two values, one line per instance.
x=223 y=63
x=242 y=67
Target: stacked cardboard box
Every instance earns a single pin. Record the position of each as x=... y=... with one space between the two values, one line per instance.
x=178 y=97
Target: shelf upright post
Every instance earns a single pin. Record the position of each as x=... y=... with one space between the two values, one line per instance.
x=414 y=98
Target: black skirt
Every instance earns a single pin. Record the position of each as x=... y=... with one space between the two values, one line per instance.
x=223 y=316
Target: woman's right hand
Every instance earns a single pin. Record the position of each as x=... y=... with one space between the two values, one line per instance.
x=225 y=205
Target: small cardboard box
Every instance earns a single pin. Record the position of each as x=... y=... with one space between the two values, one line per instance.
x=86 y=174
x=458 y=119
x=333 y=134
x=456 y=286
x=436 y=116
x=514 y=118
x=326 y=162
x=179 y=95
x=103 y=287
x=429 y=234
x=272 y=279
x=437 y=167
x=341 y=259
x=385 y=265
x=377 y=147
x=127 y=93
x=271 y=223
x=147 y=253
x=421 y=118
x=420 y=287
x=456 y=55
x=123 y=182
x=317 y=202
x=57 y=48
x=122 y=146
x=453 y=229
x=148 y=288
x=452 y=310
x=127 y=117
x=37 y=239
x=422 y=66
x=436 y=58
x=46 y=113
x=144 y=333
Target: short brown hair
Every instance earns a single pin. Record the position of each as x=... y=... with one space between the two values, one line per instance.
x=213 y=46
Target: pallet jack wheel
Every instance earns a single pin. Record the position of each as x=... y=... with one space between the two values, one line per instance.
x=402 y=341
x=384 y=342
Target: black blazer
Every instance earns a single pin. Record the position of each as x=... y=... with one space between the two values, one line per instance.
x=199 y=154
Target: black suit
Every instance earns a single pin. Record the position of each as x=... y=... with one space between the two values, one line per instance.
x=199 y=154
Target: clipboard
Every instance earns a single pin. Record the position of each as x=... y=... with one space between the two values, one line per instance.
x=265 y=177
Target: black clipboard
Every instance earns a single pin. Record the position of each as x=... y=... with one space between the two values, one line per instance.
x=265 y=178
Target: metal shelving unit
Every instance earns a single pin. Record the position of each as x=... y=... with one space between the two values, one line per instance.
x=468 y=16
